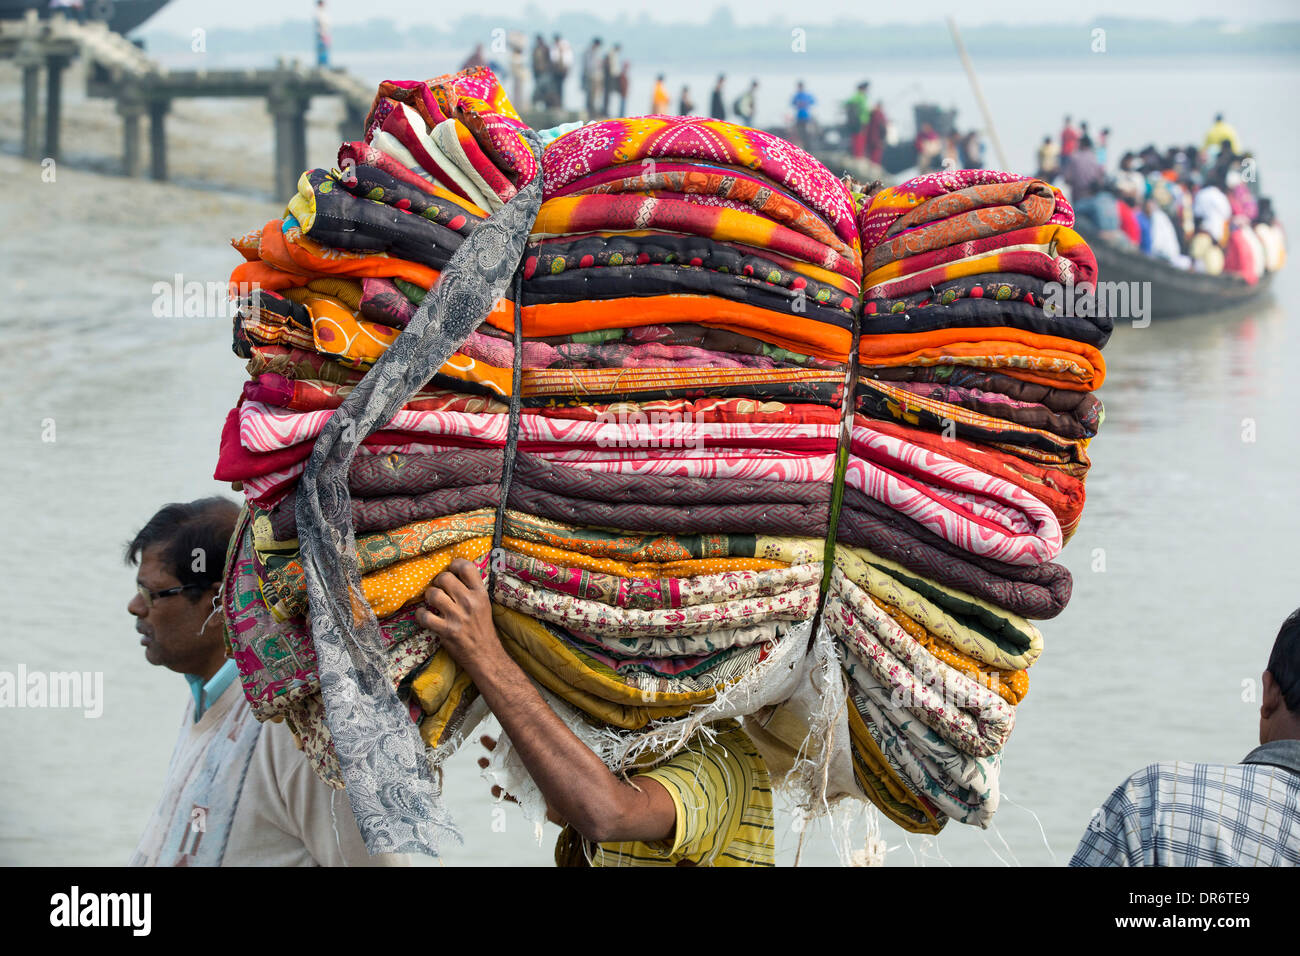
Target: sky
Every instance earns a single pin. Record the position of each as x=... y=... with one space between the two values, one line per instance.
x=183 y=15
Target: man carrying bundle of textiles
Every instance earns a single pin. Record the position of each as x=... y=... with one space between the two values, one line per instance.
x=708 y=806
x=238 y=792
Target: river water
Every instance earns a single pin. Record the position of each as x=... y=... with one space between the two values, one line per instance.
x=1184 y=564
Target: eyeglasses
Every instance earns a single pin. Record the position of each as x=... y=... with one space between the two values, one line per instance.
x=151 y=596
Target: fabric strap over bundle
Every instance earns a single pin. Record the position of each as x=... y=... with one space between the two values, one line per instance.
x=394 y=794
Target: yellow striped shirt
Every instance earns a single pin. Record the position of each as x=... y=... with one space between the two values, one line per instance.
x=723 y=797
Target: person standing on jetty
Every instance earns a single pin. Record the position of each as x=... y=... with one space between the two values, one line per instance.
x=1196 y=814
x=322 y=24
x=685 y=104
x=660 y=101
x=803 y=103
x=612 y=69
x=238 y=792
x=593 y=78
x=561 y=64
x=717 y=102
x=541 y=71
x=857 y=114
x=710 y=805
x=746 y=104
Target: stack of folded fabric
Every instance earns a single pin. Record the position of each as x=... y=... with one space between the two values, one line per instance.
x=650 y=422
x=689 y=291
x=324 y=292
x=688 y=298
x=973 y=413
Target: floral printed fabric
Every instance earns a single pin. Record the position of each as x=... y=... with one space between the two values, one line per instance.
x=595 y=617
x=965 y=788
x=961 y=216
x=1052 y=252
x=598 y=146
x=964 y=712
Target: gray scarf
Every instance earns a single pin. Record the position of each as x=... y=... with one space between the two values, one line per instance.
x=395 y=795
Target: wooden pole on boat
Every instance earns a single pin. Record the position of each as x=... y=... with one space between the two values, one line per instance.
x=979 y=94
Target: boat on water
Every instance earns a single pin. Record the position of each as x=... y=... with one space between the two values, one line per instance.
x=120 y=15
x=1174 y=292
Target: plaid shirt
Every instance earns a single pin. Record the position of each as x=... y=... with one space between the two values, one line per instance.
x=1197 y=814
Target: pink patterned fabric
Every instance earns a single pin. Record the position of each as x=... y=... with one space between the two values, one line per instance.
x=672 y=463
x=597 y=146
x=710 y=180
x=475 y=97
x=983 y=514
x=264 y=428
x=363 y=154
x=1027 y=262
x=686 y=463
x=888 y=205
x=400 y=124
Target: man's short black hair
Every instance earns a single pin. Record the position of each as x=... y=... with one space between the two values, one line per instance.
x=193 y=537
x=1284 y=662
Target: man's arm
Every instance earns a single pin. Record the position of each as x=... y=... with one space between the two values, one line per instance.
x=576 y=784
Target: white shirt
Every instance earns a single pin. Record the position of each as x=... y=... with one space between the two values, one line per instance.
x=240 y=793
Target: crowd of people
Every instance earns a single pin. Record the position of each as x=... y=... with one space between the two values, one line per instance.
x=1197 y=207
x=602 y=72
x=741 y=109
x=602 y=75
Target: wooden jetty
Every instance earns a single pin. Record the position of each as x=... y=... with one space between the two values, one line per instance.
x=119 y=70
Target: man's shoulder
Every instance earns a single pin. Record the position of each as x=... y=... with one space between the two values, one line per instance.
x=1186 y=784
x=1172 y=771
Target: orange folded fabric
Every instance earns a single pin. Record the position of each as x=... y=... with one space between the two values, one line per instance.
x=1042 y=359
x=390 y=589
x=793 y=332
x=638 y=569
x=293 y=251
x=262 y=275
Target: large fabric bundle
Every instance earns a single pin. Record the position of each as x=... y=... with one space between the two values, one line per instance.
x=660 y=496
x=614 y=372
x=972 y=416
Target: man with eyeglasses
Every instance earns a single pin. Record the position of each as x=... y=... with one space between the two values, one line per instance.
x=238 y=792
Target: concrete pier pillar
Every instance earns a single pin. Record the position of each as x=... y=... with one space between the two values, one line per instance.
x=31 y=109
x=288 y=111
x=54 y=66
x=158 y=110
x=352 y=126
x=131 y=108
x=300 y=139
